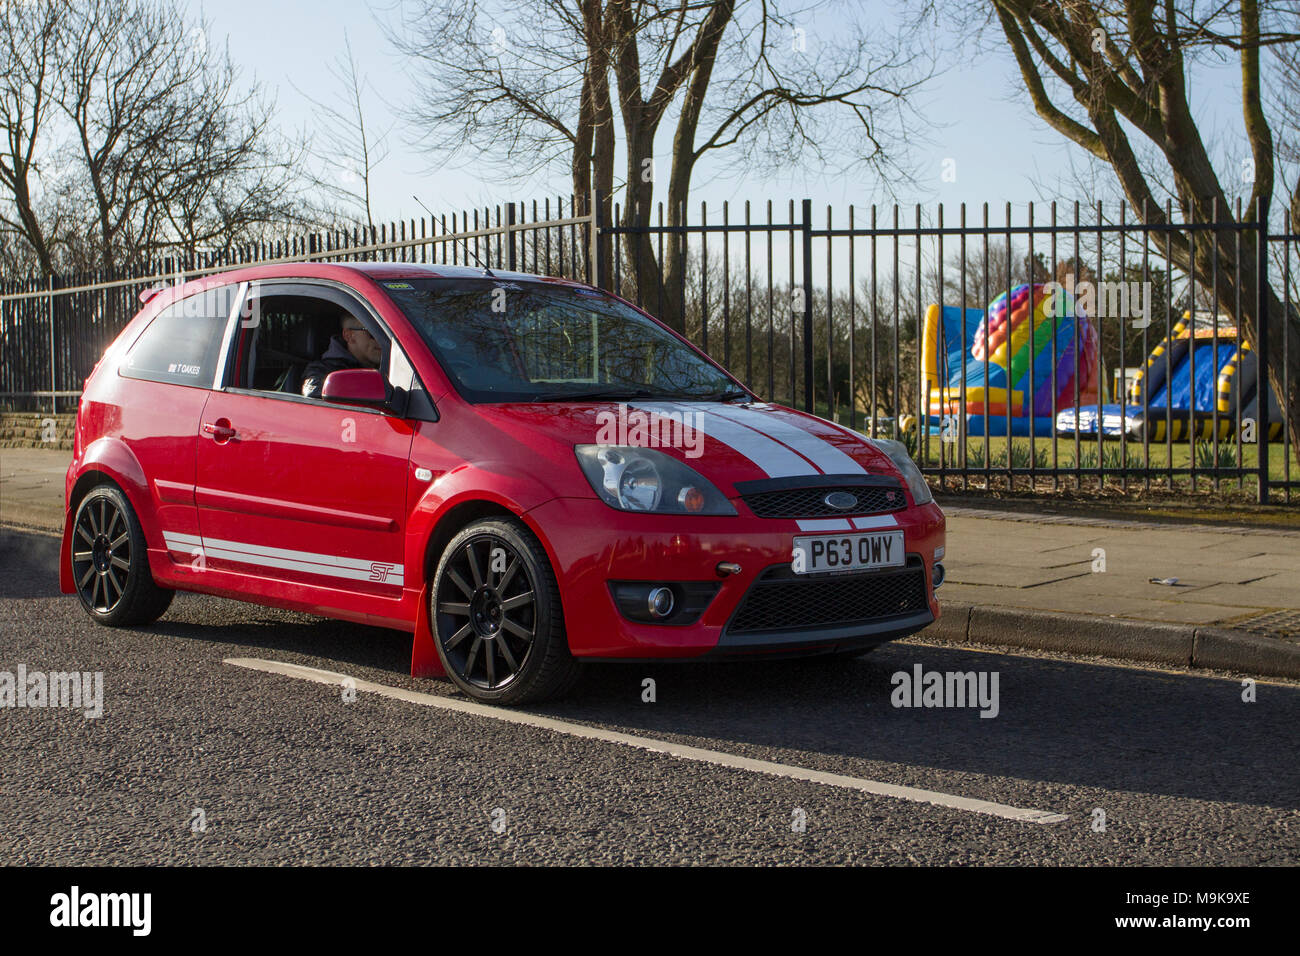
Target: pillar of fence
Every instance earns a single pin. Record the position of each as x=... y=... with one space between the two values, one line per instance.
x=1261 y=335
x=806 y=230
x=511 y=254
x=594 y=252
x=54 y=381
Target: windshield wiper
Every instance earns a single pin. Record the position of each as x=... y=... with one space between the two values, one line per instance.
x=638 y=391
x=612 y=391
x=724 y=396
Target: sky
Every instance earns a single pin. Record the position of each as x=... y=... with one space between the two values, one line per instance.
x=976 y=114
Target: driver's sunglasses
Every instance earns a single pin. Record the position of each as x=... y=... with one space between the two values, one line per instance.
x=358 y=328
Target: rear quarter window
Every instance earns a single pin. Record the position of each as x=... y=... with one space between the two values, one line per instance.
x=182 y=345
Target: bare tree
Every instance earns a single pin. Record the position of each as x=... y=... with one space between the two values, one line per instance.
x=1112 y=77
x=1286 y=104
x=28 y=34
x=737 y=72
x=158 y=146
x=349 y=149
x=173 y=151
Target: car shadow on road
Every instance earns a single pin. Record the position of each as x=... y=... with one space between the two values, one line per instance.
x=240 y=630
x=1063 y=721
x=1058 y=720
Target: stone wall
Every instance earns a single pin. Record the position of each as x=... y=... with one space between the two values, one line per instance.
x=36 y=430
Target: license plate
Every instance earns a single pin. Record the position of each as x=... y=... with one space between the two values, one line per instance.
x=848 y=552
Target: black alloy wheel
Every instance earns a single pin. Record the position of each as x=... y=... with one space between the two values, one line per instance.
x=496 y=613
x=110 y=563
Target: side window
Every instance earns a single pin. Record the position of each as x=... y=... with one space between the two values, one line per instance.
x=287 y=334
x=291 y=340
x=182 y=345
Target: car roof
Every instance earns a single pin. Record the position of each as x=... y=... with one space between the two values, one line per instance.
x=376 y=271
x=411 y=270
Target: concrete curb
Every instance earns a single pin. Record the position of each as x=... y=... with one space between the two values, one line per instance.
x=1185 y=645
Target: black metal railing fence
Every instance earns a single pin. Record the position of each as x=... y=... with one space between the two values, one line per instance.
x=872 y=318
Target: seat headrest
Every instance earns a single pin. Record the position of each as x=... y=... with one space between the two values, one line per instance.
x=308 y=339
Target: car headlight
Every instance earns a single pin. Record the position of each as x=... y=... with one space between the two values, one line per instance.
x=910 y=471
x=641 y=479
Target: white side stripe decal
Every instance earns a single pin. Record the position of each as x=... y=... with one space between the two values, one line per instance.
x=331 y=565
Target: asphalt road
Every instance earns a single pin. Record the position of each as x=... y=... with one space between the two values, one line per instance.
x=286 y=771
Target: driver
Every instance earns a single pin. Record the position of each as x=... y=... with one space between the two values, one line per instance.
x=353 y=347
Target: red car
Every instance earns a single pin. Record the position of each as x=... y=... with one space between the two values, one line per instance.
x=524 y=472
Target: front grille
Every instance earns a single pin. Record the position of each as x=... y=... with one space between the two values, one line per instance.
x=811 y=502
x=781 y=600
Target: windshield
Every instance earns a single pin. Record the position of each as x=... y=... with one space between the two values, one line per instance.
x=505 y=341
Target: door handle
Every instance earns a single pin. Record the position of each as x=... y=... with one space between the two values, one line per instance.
x=220 y=430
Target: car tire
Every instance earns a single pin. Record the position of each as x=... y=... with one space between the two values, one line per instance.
x=116 y=589
x=496 y=615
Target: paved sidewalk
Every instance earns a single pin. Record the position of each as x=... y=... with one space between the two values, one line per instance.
x=1237 y=578
x=31 y=487
x=1226 y=577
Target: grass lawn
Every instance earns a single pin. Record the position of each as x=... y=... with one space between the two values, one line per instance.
x=1133 y=456
x=1237 y=482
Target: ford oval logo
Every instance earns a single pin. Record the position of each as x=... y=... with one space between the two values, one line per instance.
x=840 y=500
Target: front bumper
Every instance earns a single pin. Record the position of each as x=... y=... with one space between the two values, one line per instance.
x=591 y=544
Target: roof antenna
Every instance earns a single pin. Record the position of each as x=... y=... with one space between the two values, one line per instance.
x=468 y=250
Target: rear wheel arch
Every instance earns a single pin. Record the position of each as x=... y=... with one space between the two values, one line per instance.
x=88 y=480
x=110 y=459
x=136 y=494
x=131 y=598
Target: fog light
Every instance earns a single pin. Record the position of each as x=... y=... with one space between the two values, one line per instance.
x=660 y=602
x=939 y=574
x=675 y=604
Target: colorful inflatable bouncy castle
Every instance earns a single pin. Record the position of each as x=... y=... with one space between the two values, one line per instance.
x=1200 y=376
x=1022 y=361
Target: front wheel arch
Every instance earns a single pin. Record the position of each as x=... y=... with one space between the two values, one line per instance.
x=544 y=666
x=464 y=513
x=453 y=522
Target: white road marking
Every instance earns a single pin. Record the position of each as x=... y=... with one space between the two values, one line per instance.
x=715 y=757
